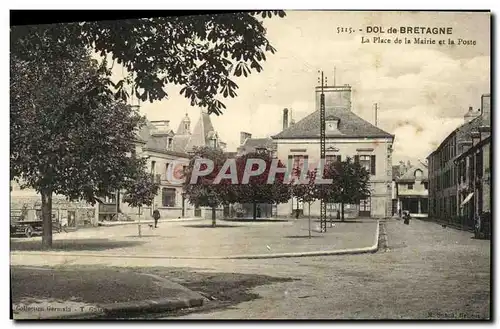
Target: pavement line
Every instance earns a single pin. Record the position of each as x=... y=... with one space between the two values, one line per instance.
x=373 y=248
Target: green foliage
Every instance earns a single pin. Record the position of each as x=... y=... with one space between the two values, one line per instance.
x=141 y=191
x=306 y=192
x=204 y=192
x=201 y=53
x=68 y=134
x=257 y=190
x=350 y=183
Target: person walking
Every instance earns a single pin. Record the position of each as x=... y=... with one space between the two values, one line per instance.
x=156 y=216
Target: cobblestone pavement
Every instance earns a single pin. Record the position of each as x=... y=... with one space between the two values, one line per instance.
x=198 y=238
x=427 y=272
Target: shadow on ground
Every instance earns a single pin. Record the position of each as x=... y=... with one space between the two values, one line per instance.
x=339 y=221
x=73 y=245
x=258 y=220
x=210 y=226
x=147 y=236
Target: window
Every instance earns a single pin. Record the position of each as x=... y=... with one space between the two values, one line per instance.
x=168 y=197
x=153 y=165
x=167 y=165
x=367 y=162
x=410 y=186
x=426 y=185
x=298 y=160
x=364 y=161
x=330 y=158
x=169 y=143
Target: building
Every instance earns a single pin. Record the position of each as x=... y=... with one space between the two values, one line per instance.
x=27 y=203
x=412 y=190
x=168 y=151
x=451 y=167
x=251 y=145
x=348 y=135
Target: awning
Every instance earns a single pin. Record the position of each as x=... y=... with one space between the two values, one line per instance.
x=467 y=199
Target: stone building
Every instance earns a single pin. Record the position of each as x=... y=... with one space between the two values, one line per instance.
x=450 y=170
x=347 y=135
x=412 y=190
x=168 y=151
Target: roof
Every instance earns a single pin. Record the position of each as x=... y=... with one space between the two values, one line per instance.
x=463 y=130
x=181 y=143
x=258 y=142
x=252 y=144
x=202 y=134
x=472 y=149
x=409 y=175
x=350 y=126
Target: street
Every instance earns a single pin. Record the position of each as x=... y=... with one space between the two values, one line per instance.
x=429 y=272
x=422 y=271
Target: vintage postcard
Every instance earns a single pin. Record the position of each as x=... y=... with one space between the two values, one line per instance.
x=251 y=165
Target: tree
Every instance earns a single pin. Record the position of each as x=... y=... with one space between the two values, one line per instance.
x=201 y=53
x=69 y=136
x=350 y=183
x=141 y=192
x=203 y=191
x=306 y=192
x=257 y=190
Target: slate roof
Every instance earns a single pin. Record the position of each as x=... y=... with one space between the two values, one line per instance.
x=463 y=131
x=181 y=143
x=350 y=126
x=203 y=131
x=157 y=143
x=409 y=175
x=251 y=144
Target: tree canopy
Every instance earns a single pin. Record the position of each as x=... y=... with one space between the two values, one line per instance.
x=350 y=183
x=69 y=136
x=200 y=53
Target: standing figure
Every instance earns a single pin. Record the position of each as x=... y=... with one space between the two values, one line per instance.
x=156 y=216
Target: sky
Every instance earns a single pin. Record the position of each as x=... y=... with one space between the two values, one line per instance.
x=422 y=91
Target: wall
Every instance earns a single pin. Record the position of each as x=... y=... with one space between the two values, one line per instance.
x=380 y=182
x=486 y=178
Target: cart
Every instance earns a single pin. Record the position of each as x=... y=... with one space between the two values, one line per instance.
x=31 y=228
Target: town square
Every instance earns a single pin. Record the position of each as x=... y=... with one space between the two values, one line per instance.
x=252 y=165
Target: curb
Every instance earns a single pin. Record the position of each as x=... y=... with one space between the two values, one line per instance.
x=111 y=224
x=372 y=249
x=117 y=309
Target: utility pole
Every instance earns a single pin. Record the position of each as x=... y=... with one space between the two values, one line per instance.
x=376 y=115
x=322 y=218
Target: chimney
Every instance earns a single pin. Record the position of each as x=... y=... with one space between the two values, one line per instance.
x=244 y=136
x=486 y=108
x=471 y=114
x=285 y=119
x=335 y=97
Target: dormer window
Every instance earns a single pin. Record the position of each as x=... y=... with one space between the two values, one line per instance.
x=332 y=124
x=169 y=143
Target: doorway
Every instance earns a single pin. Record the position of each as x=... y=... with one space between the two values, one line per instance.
x=365 y=207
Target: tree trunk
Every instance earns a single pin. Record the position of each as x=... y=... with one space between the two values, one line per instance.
x=139 y=223
x=309 y=220
x=47 y=219
x=213 y=217
x=342 y=208
x=254 y=210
